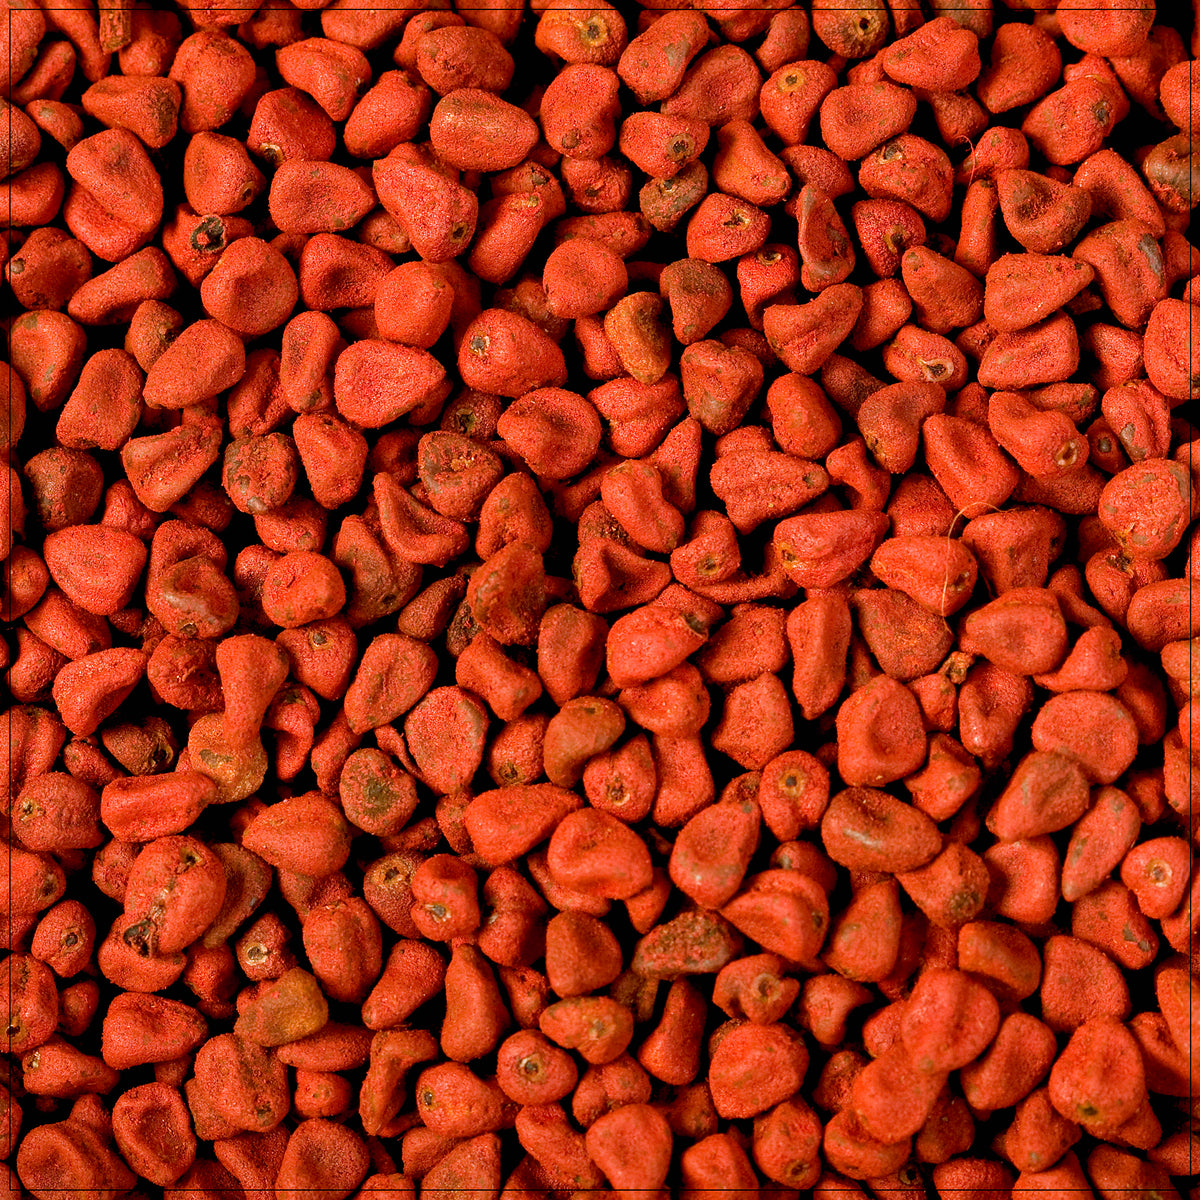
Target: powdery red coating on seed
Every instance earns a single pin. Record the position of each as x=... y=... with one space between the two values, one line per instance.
x=948 y=1021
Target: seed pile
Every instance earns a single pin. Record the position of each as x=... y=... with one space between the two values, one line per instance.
x=599 y=599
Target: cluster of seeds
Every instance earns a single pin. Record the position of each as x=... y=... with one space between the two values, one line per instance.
x=599 y=599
